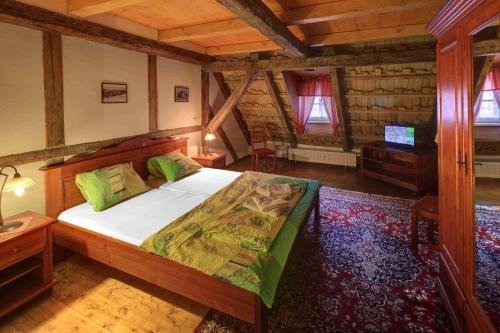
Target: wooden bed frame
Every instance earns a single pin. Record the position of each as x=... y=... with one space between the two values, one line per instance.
x=62 y=194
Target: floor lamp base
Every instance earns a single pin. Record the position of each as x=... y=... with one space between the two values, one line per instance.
x=9 y=226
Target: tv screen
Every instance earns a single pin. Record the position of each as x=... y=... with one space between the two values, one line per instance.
x=400 y=135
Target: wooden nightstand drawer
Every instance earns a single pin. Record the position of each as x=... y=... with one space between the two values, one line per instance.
x=23 y=247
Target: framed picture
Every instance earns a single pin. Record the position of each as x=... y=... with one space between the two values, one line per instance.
x=181 y=94
x=114 y=92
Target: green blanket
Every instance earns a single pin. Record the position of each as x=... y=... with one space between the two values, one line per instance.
x=221 y=237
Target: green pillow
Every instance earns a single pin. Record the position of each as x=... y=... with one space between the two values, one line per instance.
x=164 y=167
x=106 y=187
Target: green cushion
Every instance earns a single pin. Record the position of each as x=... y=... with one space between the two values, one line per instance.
x=106 y=187
x=164 y=167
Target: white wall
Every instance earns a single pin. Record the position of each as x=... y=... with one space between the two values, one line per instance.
x=85 y=66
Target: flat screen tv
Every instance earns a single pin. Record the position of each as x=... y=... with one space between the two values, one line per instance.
x=400 y=135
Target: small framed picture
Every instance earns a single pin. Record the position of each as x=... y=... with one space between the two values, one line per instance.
x=114 y=92
x=181 y=94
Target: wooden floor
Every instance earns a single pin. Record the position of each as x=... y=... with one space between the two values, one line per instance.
x=94 y=298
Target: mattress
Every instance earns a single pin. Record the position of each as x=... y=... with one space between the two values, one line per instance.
x=134 y=220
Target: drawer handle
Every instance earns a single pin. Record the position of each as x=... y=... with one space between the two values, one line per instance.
x=17 y=249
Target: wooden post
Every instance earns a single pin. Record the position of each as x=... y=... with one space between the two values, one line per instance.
x=346 y=144
x=482 y=73
x=153 y=92
x=225 y=139
x=205 y=108
x=285 y=119
x=53 y=90
x=226 y=92
x=231 y=102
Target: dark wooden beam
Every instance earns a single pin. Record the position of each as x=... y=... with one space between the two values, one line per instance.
x=153 y=92
x=226 y=92
x=53 y=90
x=275 y=96
x=231 y=102
x=82 y=148
x=205 y=107
x=225 y=139
x=484 y=48
x=256 y=14
x=338 y=60
x=336 y=84
x=18 y=13
x=480 y=74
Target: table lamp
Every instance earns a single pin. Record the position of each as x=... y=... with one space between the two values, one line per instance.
x=209 y=137
x=17 y=184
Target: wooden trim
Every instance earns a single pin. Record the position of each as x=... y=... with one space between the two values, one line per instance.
x=153 y=92
x=451 y=13
x=226 y=92
x=225 y=139
x=84 y=8
x=81 y=148
x=258 y=15
x=15 y=12
x=283 y=115
x=231 y=102
x=205 y=108
x=341 y=113
x=339 y=60
x=53 y=89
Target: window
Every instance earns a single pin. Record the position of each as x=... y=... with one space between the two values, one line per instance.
x=489 y=110
x=318 y=112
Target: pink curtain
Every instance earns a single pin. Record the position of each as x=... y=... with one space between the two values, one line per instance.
x=307 y=89
x=305 y=104
x=492 y=83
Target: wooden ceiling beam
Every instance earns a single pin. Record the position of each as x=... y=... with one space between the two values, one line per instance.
x=256 y=14
x=339 y=60
x=231 y=102
x=18 y=13
x=242 y=48
x=304 y=15
x=485 y=48
x=84 y=8
x=341 y=112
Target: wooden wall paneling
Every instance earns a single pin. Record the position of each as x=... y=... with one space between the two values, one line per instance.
x=53 y=91
x=339 y=60
x=225 y=139
x=231 y=102
x=82 y=148
x=15 y=12
x=285 y=119
x=226 y=92
x=205 y=108
x=336 y=88
x=258 y=15
x=153 y=92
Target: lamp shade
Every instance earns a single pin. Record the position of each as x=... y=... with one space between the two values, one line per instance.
x=18 y=184
x=209 y=137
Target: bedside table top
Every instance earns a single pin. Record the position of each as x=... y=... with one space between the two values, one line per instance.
x=32 y=221
x=210 y=156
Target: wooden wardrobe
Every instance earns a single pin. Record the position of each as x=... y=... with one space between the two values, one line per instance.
x=454 y=27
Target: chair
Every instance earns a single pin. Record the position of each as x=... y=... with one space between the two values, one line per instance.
x=427 y=207
x=259 y=147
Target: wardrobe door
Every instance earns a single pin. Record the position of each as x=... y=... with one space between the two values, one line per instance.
x=451 y=171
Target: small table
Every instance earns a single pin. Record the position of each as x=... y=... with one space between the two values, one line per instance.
x=25 y=261
x=427 y=207
x=215 y=160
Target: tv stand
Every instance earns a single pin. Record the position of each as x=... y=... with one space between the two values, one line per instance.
x=411 y=168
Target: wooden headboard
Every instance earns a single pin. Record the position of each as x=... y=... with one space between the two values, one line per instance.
x=61 y=192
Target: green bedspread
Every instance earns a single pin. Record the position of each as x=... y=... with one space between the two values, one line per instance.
x=221 y=237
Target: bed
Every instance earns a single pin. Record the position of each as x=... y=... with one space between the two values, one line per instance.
x=113 y=236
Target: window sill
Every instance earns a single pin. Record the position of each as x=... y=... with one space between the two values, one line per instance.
x=318 y=122
x=487 y=124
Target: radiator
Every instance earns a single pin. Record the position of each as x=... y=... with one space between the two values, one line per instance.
x=322 y=156
x=488 y=169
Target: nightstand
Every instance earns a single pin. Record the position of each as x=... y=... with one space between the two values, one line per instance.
x=212 y=160
x=25 y=261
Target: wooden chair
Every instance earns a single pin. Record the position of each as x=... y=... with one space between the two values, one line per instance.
x=427 y=207
x=259 y=147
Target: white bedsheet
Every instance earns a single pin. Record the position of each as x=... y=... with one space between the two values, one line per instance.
x=134 y=220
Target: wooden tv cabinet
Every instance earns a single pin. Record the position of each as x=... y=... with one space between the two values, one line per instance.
x=411 y=168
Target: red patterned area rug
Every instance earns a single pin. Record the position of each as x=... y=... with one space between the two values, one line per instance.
x=353 y=273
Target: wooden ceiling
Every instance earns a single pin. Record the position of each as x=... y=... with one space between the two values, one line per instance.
x=212 y=26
